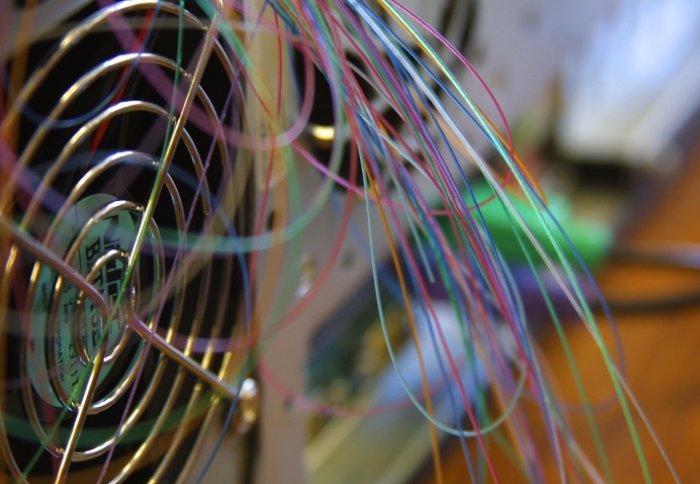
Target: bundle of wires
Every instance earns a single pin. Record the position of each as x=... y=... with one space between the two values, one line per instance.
x=407 y=140
x=401 y=172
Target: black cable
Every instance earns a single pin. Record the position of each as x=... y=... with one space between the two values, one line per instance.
x=672 y=256
x=673 y=302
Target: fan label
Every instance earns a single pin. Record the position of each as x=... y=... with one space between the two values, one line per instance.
x=115 y=232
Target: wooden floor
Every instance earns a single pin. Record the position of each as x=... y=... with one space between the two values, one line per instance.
x=661 y=348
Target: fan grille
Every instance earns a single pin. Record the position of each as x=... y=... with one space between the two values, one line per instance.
x=111 y=294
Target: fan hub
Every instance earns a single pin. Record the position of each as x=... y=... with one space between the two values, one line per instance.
x=67 y=327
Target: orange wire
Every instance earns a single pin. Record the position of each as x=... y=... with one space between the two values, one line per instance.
x=516 y=158
x=434 y=444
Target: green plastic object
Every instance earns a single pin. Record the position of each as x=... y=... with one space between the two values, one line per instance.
x=592 y=240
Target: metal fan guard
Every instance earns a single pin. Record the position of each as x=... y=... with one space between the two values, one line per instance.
x=55 y=225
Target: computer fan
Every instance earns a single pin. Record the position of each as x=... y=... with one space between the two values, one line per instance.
x=119 y=180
